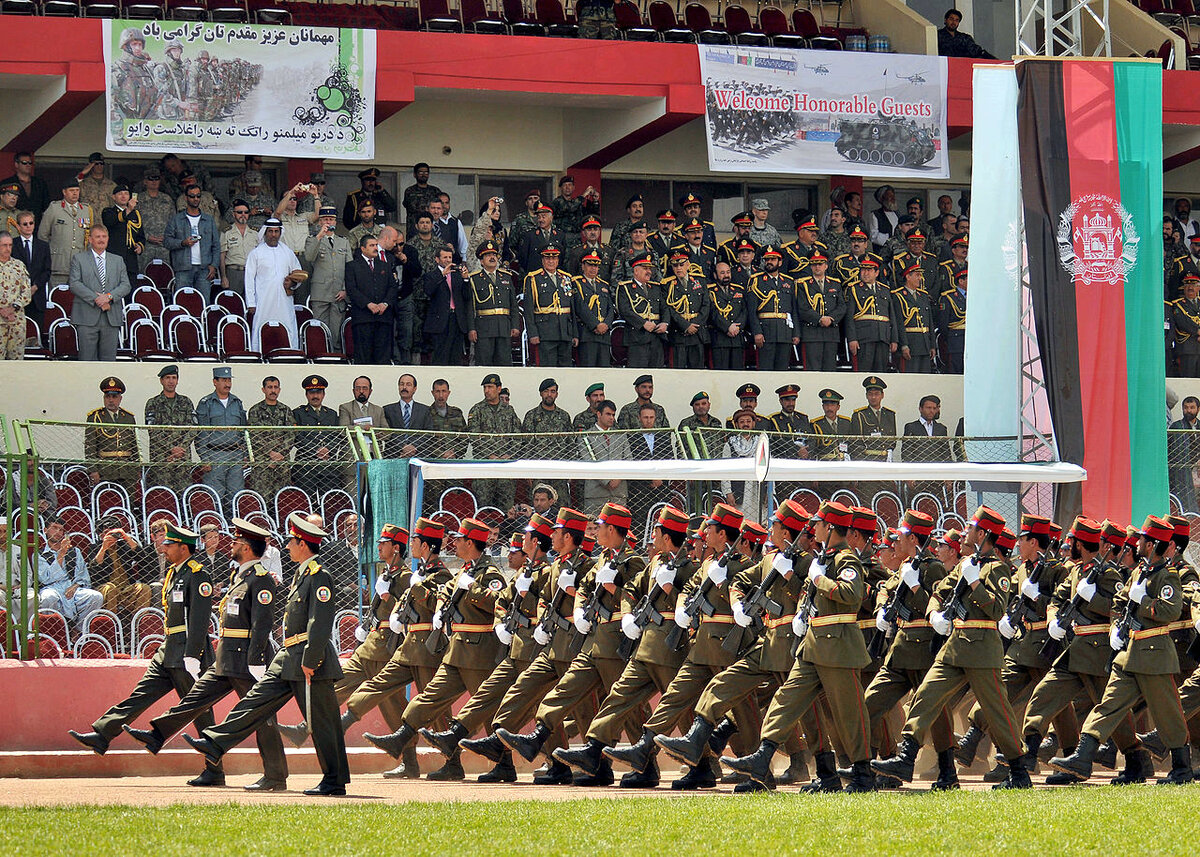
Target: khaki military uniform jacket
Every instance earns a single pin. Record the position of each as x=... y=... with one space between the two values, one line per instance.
x=833 y=638
x=652 y=645
x=523 y=648
x=912 y=646
x=473 y=643
x=246 y=616
x=328 y=258
x=308 y=626
x=974 y=642
x=706 y=646
x=236 y=246
x=1089 y=652
x=774 y=648
x=187 y=606
x=605 y=635
x=1026 y=646
x=381 y=641
x=65 y=228
x=423 y=597
x=1150 y=651
x=560 y=648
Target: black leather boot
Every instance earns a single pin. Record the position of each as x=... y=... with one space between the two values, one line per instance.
x=556 y=774
x=1048 y=748
x=1020 y=768
x=758 y=764
x=639 y=756
x=1079 y=763
x=947 y=778
x=349 y=718
x=690 y=748
x=94 y=741
x=968 y=745
x=587 y=758
x=645 y=779
x=446 y=742
x=901 y=765
x=296 y=733
x=797 y=770
x=701 y=776
x=1152 y=743
x=504 y=772
x=749 y=786
x=527 y=745
x=826 y=779
x=149 y=737
x=394 y=743
x=452 y=771
x=1181 y=767
x=1106 y=755
x=603 y=775
x=722 y=732
x=863 y=778
x=491 y=748
x=1138 y=766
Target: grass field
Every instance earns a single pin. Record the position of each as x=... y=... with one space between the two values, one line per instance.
x=1098 y=820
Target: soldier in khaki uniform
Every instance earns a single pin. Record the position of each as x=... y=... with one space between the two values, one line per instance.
x=971 y=656
x=597 y=666
x=111 y=450
x=65 y=225
x=1146 y=661
x=516 y=615
x=411 y=619
x=328 y=253
x=493 y=311
x=236 y=243
x=831 y=655
x=466 y=610
x=552 y=634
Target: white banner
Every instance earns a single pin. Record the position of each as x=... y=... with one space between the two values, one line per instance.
x=244 y=89
x=821 y=112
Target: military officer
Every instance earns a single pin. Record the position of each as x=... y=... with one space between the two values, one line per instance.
x=370 y=188
x=170 y=446
x=221 y=452
x=550 y=429
x=628 y=418
x=744 y=265
x=846 y=265
x=316 y=446
x=640 y=302
x=236 y=243
x=665 y=238
x=772 y=298
x=246 y=615
x=306 y=667
x=328 y=253
x=915 y=254
x=831 y=429
x=548 y=297
x=701 y=256
x=797 y=253
x=914 y=320
x=272 y=450
x=729 y=250
x=729 y=320
x=65 y=225
x=747 y=396
x=690 y=204
x=111 y=450
x=594 y=311
x=820 y=308
x=186 y=650
x=637 y=248
x=686 y=296
x=591 y=243
x=490 y=420
x=870 y=324
x=586 y=419
x=789 y=421
x=873 y=420
x=493 y=313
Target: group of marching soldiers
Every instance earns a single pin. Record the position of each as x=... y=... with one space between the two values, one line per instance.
x=805 y=635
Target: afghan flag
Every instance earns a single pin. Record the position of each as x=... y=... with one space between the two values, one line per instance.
x=1090 y=136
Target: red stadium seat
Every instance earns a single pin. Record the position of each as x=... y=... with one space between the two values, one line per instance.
x=347 y=624
x=773 y=22
x=143 y=10
x=249 y=502
x=437 y=17
x=290 y=499
x=151 y=298
x=276 y=344
x=33 y=334
x=233 y=341
x=699 y=21
x=51 y=314
x=741 y=28
x=520 y=22
x=109 y=497
x=64 y=340
x=191 y=300
x=159 y=501
x=148 y=647
x=106 y=625
x=233 y=303
x=550 y=15
x=66 y=495
x=146 y=341
x=334 y=503
x=269 y=11
x=211 y=320
x=629 y=22
x=315 y=338
x=228 y=12
x=662 y=18
x=478 y=18
x=53 y=624
x=187 y=341
x=888 y=507
x=805 y=26
x=340 y=523
x=94 y=647
x=446 y=519
x=458 y=501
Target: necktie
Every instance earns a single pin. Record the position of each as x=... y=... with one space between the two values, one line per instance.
x=29 y=249
x=450 y=286
x=407 y=413
x=371 y=265
x=100 y=268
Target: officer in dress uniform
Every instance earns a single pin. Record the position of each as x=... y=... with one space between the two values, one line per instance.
x=728 y=320
x=729 y=249
x=771 y=297
x=873 y=420
x=306 y=668
x=952 y=319
x=113 y=451
x=688 y=307
x=328 y=254
x=870 y=323
x=316 y=446
x=185 y=652
x=492 y=316
x=832 y=429
x=701 y=255
x=820 y=308
x=548 y=321
x=690 y=204
x=641 y=304
x=246 y=616
x=665 y=238
x=796 y=254
x=914 y=320
x=594 y=312
x=745 y=264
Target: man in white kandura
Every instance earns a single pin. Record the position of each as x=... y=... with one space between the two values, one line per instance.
x=269 y=284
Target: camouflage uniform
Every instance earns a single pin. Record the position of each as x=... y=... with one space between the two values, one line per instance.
x=622 y=270
x=263 y=199
x=133 y=87
x=452 y=422
x=156 y=212
x=523 y=224
x=597 y=20
x=539 y=421
x=170 y=80
x=427 y=256
x=175 y=411
x=498 y=419
x=627 y=417
x=267 y=476
x=836 y=243
x=96 y=192
x=415 y=200
x=619 y=238
x=585 y=420
x=569 y=213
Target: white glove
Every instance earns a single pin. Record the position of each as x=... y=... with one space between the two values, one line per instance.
x=540 y=636
x=717 y=573
x=799 y=625
x=566 y=579
x=664 y=576
x=816 y=571
x=416 y=579
x=940 y=623
x=1007 y=631
x=815 y=563
x=970 y=572
x=502 y=634
x=739 y=615
x=782 y=564
x=606 y=574
x=629 y=627
x=1114 y=641
x=381 y=586
x=395 y=624
x=522 y=584
x=1031 y=590
x=437 y=621
x=1086 y=591
x=360 y=633
x=683 y=620
x=1056 y=631
x=1137 y=592
x=465 y=581
x=581 y=625
x=257 y=671
x=881 y=623
x=909 y=576
x=192 y=665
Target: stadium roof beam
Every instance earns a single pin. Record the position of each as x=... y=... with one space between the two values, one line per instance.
x=50 y=96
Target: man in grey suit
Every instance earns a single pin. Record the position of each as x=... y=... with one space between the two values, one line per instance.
x=99 y=282
x=407 y=414
x=195 y=245
x=361 y=411
x=604 y=443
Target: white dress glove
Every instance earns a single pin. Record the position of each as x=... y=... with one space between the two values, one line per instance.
x=629 y=627
x=465 y=581
x=739 y=615
x=606 y=574
x=1196 y=624
x=395 y=624
x=1056 y=631
x=502 y=634
x=1114 y=640
x=909 y=575
x=581 y=625
x=664 y=575
x=381 y=586
x=1086 y=591
x=566 y=580
x=799 y=625
x=257 y=671
x=416 y=579
x=437 y=621
x=1137 y=592
x=522 y=584
x=881 y=623
x=192 y=665
x=783 y=564
x=816 y=571
x=1031 y=590
x=970 y=572
x=940 y=623
x=360 y=633
x=540 y=636
x=683 y=620
x=717 y=573
x=1007 y=631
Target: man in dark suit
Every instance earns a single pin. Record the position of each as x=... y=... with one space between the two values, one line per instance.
x=407 y=414
x=921 y=442
x=372 y=294
x=446 y=319
x=647 y=445
x=35 y=253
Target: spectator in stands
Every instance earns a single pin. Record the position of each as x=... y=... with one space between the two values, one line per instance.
x=316 y=199
x=124 y=224
x=238 y=185
x=236 y=243
x=762 y=232
x=22 y=578
x=406 y=413
x=295 y=226
x=221 y=453
x=1183 y=452
x=9 y=194
x=493 y=422
x=64 y=578
x=191 y=237
x=339 y=556
x=34 y=194
x=16 y=292
x=597 y=20
x=450 y=228
x=65 y=226
x=371 y=295
x=945 y=204
x=446 y=419
x=272 y=450
x=361 y=411
x=952 y=43
x=370 y=188
x=586 y=418
x=261 y=201
x=34 y=254
x=122 y=570
x=635 y=207
x=603 y=443
x=745 y=496
x=629 y=416
x=392 y=248
x=525 y=222
x=328 y=255
x=570 y=210
x=317 y=446
x=157 y=209
x=446 y=318
x=215 y=561
x=529 y=254
x=418 y=196
x=1188 y=225
x=883 y=219
x=208 y=203
x=368 y=222
x=99 y=281
x=95 y=188
x=270 y=284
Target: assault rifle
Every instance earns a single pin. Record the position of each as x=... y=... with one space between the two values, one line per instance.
x=698 y=603
x=1129 y=624
x=757 y=605
x=1052 y=648
x=645 y=612
x=514 y=619
x=954 y=608
x=553 y=620
x=407 y=611
x=439 y=638
x=894 y=612
x=807 y=607
x=1020 y=609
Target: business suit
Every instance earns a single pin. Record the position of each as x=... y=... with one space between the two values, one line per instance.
x=39 y=273
x=447 y=333
x=98 y=329
x=178 y=230
x=349 y=413
x=371 y=281
x=418 y=420
x=918 y=445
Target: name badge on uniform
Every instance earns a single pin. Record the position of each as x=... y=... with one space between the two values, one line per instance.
x=233 y=606
x=876 y=434
x=177 y=596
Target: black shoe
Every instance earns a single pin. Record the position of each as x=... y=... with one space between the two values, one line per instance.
x=489 y=747
x=527 y=745
x=826 y=778
x=1137 y=768
x=647 y=779
x=1106 y=755
x=947 y=778
x=884 y=782
x=1152 y=743
x=998 y=773
x=208 y=778
x=149 y=737
x=1062 y=778
x=758 y=764
x=446 y=742
x=408 y=769
x=297 y=733
x=690 y=748
x=603 y=776
x=265 y=785
x=797 y=770
x=587 y=758
x=901 y=765
x=206 y=746
x=557 y=774
x=504 y=772
x=1048 y=748
x=1181 y=767
x=733 y=778
x=968 y=745
x=702 y=776
x=1079 y=763
x=349 y=718
x=326 y=790
x=863 y=779
x=1018 y=771
x=639 y=756
x=450 y=772
x=721 y=733
x=750 y=786
x=94 y=741
x=394 y=743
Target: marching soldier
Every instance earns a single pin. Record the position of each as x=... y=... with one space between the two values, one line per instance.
x=306 y=667
x=771 y=296
x=594 y=311
x=688 y=306
x=493 y=313
x=246 y=616
x=873 y=421
x=186 y=651
x=548 y=297
x=870 y=325
x=914 y=320
x=729 y=320
x=170 y=408
x=820 y=309
x=640 y=302
x=112 y=451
